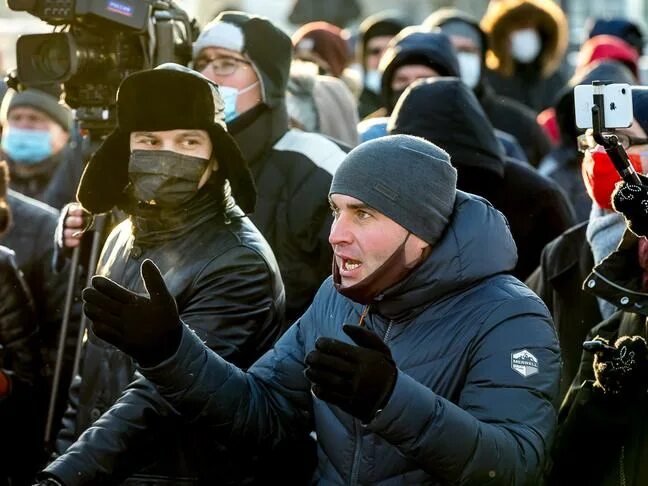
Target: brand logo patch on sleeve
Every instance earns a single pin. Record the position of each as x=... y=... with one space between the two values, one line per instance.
x=524 y=363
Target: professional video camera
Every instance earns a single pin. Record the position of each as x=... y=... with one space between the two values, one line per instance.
x=100 y=43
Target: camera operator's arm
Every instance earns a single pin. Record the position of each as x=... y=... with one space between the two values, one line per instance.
x=631 y=200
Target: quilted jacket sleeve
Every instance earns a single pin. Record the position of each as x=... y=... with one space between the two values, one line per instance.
x=499 y=431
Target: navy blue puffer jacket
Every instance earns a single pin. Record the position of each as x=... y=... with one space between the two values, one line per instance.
x=478 y=365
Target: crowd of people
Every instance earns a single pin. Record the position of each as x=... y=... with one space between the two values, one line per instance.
x=371 y=255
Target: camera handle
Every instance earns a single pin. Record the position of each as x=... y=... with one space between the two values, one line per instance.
x=610 y=143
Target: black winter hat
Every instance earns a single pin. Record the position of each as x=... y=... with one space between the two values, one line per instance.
x=268 y=48
x=414 y=45
x=168 y=97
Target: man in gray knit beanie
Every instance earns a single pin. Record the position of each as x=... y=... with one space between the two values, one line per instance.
x=410 y=186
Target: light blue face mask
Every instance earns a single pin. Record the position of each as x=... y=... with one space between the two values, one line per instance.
x=230 y=95
x=27 y=146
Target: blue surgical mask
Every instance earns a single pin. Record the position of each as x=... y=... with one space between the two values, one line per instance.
x=27 y=146
x=230 y=95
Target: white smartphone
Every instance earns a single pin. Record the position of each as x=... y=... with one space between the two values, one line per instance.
x=617 y=99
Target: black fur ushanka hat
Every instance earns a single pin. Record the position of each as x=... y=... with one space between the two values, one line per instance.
x=169 y=97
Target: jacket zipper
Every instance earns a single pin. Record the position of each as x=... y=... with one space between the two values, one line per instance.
x=355 y=467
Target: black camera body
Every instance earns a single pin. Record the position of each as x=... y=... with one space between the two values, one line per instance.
x=103 y=42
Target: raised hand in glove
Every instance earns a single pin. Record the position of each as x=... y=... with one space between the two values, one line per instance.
x=358 y=379
x=147 y=328
x=631 y=200
x=622 y=369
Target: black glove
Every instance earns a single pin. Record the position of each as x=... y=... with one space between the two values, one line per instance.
x=147 y=328
x=622 y=369
x=631 y=200
x=358 y=379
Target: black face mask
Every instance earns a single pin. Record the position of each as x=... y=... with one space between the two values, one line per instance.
x=169 y=178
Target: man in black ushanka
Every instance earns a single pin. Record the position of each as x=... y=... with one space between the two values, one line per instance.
x=174 y=170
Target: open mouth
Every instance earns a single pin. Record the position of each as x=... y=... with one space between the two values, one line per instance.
x=349 y=265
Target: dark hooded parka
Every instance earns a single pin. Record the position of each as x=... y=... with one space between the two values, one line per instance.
x=504 y=113
x=534 y=206
x=216 y=264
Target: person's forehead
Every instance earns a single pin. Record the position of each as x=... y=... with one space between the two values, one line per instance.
x=416 y=69
x=216 y=52
x=180 y=132
x=379 y=41
x=462 y=42
x=28 y=111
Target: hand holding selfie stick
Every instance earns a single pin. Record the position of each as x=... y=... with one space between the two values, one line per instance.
x=610 y=142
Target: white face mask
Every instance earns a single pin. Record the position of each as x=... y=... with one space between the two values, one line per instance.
x=525 y=45
x=470 y=68
x=372 y=80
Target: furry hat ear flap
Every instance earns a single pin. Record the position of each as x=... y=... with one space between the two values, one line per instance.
x=234 y=168
x=106 y=174
x=5 y=212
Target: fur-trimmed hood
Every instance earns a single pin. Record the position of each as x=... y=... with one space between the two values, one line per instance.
x=504 y=16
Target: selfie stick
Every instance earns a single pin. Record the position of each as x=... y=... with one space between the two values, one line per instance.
x=610 y=142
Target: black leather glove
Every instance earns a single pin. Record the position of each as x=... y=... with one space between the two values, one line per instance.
x=622 y=369
x=147 y=328
x=358 y=379
x=631 y=200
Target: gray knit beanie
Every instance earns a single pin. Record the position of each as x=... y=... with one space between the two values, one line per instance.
x=406 y=178
x=40 y=101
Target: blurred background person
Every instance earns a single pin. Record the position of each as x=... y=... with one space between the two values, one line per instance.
x=412 y=54
x=323 y=45
x=505 y=114
x=527 y=44
x=321 y=104
x=40 y=147
x=374 y=35
x=249 y=58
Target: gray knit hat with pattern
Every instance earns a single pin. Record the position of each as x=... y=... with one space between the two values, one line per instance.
x=406 y=178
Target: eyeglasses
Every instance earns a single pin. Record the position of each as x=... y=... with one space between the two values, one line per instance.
x=628 y=141
x=220 y=66
x=586 y=140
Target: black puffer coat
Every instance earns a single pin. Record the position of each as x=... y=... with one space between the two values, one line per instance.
x=21 y=412
x=228 y=289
